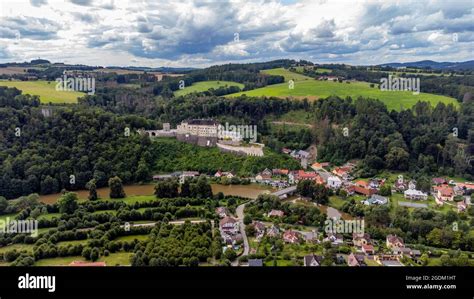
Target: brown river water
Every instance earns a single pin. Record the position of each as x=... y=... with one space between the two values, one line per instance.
x=250 y=191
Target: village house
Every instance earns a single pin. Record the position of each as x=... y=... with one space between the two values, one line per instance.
x=461 y=206
x=376 y=199
x=400 y=186
x=276 y=213
x=356 y=260
x=388 y=260
x=376 y=183
x=266 y=174
x=335 y=239
x=439 y=181
x=220 y=174
x=406 y=251
x=361 y=239
x=187 y=174
x=259 y=229
x=367 y=249
x=312 y=260
x=328 y=78
x=229 y=225
x=222 y=212
x=334 y=182
x=273 y=232
x=443 y=193
x=291 y=236
x=286 y=151
x=350 y=189
x=295 y=177
x=342 y=172
x=311 y=237
x=280 y=171
x=394 y=241
x=415 y=194
x=320 y=166
x=362 y=187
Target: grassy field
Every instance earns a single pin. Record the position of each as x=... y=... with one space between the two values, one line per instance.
x=318 y=70
x=72 y=242
x=287 y=74
x=114 y=259
x=313 y=89
x=46 y=90
x=18 y=247
x=132 y=237
x=206 y=85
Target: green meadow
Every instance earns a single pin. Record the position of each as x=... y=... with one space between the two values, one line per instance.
x=46 y=90
x=314 y=89
x=206 y=85
x=289 y=75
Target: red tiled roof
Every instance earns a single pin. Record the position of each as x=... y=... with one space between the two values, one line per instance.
x=362 y=183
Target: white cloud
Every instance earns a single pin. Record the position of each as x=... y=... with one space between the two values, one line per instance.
x=180 y=33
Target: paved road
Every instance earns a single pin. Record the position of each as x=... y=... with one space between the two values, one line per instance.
x=239 y=211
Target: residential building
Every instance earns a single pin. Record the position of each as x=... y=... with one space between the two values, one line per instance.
x=273 y=232
x=439 y=181
x=362 y=187
x=335 y=239
x=394 y=241
x=222 y=212
x=388 y=260
x=367 y=249
x=312 y=260
x=229 y=225
x=280 y=171
x=415 y=194
x=276 y=213
x=187 y=174
x=342 y=172
x=334 y=182
x=376 y=199
x=361 y=239
x=311 y=237
x=291 y=236
x=356 y=260
x=443 y=193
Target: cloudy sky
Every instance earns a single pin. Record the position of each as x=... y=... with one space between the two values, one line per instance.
x=201 y=33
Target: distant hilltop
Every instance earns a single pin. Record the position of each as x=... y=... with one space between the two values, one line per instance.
x=465 y=65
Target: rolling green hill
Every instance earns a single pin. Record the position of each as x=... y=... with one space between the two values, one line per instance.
x=313 y=89
x=46 y=90
x=289 y=75
x=206 y=85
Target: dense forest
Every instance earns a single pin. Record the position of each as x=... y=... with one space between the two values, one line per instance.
x=64 y=151
x=422 y=140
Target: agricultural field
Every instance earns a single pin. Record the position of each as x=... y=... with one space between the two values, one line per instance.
x=321 y=71
x=313 y=89
x=289 y=75
x=46 y=90
x=206 y=85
